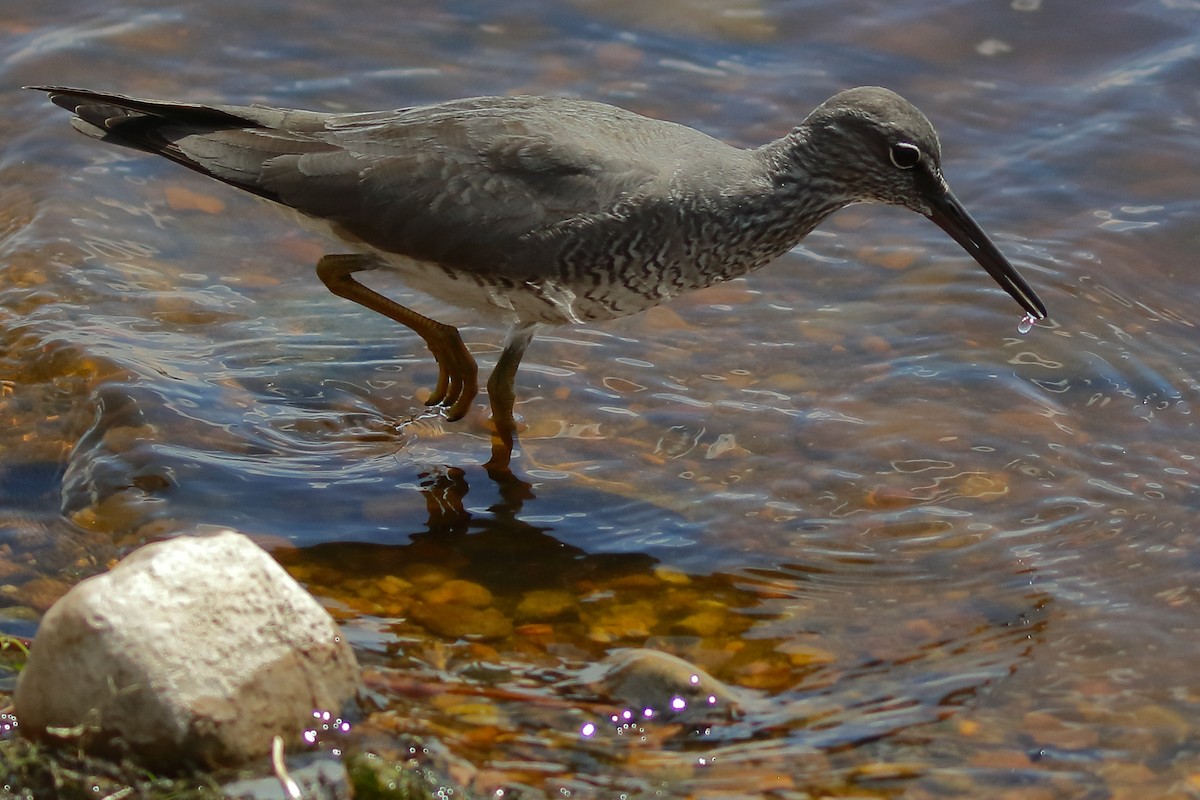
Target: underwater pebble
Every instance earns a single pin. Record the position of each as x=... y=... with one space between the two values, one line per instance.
x=888 y=771
x=1052 y=731
x=634 y=620
x=1001 y=759
x=544 y=605
x=458 y=591
x=123 y=510
x=425 y=575
x=668 y=685
x=124 y=438
x=180 y=198
x=706 y=622
x=801 y=656
x=457 y=621
x=41 y=593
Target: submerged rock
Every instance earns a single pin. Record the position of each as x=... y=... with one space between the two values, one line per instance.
x=195 y=650
x=658 y=684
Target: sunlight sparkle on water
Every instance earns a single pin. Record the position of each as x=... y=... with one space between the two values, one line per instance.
x=1026 y=323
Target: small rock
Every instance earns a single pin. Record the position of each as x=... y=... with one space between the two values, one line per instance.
x=458 y=621
x=195 y=650
x=457 y=590
x=181 y=199
x=547 y=604
x=43 y=592
x=704 y=622
x=1050 y=730
x=633 y=620
x=666 y=685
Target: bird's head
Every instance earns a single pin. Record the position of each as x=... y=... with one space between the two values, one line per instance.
x=876 y=147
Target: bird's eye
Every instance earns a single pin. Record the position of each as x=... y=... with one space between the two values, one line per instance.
x=905 y=155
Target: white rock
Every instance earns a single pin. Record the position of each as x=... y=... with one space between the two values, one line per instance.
x=198 y=649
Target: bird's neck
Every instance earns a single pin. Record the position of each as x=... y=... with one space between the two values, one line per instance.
x=800 y=196
x=802 y=167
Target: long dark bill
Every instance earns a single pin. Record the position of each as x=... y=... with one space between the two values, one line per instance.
x=950 y=216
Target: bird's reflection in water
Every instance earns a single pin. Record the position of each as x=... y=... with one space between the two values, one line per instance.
x=494 y=546
x=445 y=489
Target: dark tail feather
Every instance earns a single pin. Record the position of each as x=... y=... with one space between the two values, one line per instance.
x=117 y=116
x=152 y=126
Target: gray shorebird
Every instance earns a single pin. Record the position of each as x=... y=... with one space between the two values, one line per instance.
x=549 y=209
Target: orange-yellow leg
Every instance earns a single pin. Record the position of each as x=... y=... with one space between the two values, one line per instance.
x=502 y=395
x=457 y=373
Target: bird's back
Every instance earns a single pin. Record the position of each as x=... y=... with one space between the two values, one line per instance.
x=464 y=183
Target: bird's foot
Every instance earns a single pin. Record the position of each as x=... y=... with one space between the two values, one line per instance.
x=457 y=383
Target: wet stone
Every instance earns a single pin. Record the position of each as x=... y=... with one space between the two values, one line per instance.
x=123 y=510
x=1126 y=781
x=665 y=684
x=634 y=620
x=544 y=605
x=124 y=438
x=457 y=621
x=801 y=656
x=42 y=593
x=426 y=575
x=1052 y=731
x=180 y=198
x=888 y=771
x=706 y=622
x=475 y=712
x=458 y=591
x=196 y=650
x=9 y=569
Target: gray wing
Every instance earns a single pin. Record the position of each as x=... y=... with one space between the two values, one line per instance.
x=456 y=183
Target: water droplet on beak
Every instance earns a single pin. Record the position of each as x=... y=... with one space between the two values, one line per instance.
x=1026 y=323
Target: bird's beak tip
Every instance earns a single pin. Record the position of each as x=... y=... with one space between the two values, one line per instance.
x=948 y=214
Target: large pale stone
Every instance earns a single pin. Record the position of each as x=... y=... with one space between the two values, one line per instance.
x=198 y=649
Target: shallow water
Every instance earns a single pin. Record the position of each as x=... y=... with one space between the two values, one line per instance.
x=940 y=558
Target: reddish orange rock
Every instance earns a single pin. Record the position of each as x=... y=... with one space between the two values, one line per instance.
x=183 y=199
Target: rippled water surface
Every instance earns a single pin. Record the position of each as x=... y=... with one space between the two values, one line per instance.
x=933 y=557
